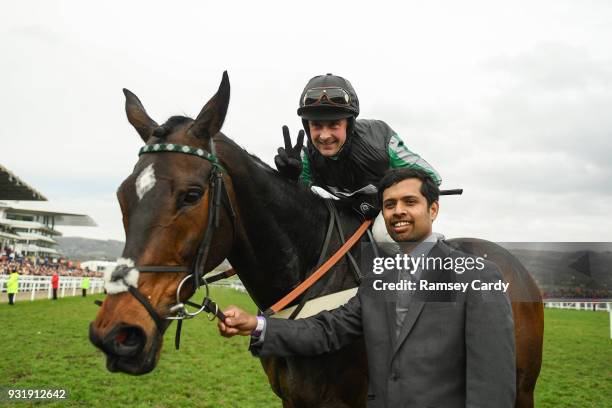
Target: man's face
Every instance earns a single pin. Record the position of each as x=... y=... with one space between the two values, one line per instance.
x=328 y=137
x=407 y=216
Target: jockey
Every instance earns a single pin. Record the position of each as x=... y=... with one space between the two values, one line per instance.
x=345 y=156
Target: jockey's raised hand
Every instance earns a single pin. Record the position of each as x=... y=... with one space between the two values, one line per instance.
x=237 y=322
x=288 y=160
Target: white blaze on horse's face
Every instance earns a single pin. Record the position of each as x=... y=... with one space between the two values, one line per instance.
x=145 y=181
x=116 y=280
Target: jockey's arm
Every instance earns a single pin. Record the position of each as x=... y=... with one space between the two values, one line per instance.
x=401 y=156
x=306 y=175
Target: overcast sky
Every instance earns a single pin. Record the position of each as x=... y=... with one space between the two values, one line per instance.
x=510 y=100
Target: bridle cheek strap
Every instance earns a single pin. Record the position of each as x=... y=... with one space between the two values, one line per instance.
x=147 y=305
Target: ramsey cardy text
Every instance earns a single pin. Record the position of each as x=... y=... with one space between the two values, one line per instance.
x=423 y=284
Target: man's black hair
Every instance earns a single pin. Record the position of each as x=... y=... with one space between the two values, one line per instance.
x=429 y=188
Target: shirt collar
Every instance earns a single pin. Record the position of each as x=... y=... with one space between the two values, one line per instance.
x=424 y=247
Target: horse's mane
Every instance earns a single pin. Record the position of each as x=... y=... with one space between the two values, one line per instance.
x=282 y=186
x=291 y=209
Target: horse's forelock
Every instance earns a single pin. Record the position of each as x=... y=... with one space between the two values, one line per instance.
x=170 y=126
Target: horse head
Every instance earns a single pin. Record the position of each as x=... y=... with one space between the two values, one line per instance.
x=166 y=208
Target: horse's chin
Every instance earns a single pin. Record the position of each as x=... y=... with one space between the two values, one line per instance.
x=116 y=364
x=143 y=363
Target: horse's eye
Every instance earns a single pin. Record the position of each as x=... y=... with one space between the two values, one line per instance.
x=192 y=196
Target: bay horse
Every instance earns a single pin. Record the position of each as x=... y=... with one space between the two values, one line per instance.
x=271 y=230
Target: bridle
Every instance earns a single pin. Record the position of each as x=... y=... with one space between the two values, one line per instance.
x=217 y=192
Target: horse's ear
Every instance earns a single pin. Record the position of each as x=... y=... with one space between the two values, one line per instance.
x=211 y=117
x=137 y=115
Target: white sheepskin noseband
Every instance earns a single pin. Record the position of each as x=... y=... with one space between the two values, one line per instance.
x=117 y=280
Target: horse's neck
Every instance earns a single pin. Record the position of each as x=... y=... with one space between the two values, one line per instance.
x=281 y=232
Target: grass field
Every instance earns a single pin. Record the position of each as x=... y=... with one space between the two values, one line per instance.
x=44 y=344
x=577 y=361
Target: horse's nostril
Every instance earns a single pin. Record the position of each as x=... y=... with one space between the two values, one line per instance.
x=121 y=336
x=130 y=337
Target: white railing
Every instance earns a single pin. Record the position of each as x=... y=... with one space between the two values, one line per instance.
x=593 y=305
x=232 y=282
x=582 y=305
x=71 y=285
x=238 y=286
x=68 y=285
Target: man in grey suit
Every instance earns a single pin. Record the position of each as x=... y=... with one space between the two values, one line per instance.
x=448 y=343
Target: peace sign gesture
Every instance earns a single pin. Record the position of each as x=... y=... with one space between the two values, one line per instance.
x=297 y=149
x=288 y=160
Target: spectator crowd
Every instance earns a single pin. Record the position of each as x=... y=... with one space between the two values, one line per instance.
x=42 y=266
x=577 y=293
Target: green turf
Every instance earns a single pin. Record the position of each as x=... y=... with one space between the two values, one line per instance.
x=577 y=361
x=44 y=344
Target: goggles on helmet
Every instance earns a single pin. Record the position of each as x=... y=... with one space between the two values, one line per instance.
x=326 y=96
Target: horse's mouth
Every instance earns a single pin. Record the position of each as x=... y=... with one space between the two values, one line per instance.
x=132 y=366
x=126 y=349
x=142 y=363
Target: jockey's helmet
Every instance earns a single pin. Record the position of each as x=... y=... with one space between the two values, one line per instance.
x=328 y=97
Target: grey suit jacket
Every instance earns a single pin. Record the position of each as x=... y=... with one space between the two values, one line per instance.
x=453 y=350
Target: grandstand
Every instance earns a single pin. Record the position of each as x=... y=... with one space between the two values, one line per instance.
x=26 y=229
x=13 y=188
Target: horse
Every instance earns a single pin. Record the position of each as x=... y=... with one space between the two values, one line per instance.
x=271 y=230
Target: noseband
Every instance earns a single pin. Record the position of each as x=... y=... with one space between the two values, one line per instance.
x=217 y=192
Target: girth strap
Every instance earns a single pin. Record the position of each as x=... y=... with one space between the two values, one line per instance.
x=352 y=261
x=328 y=235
